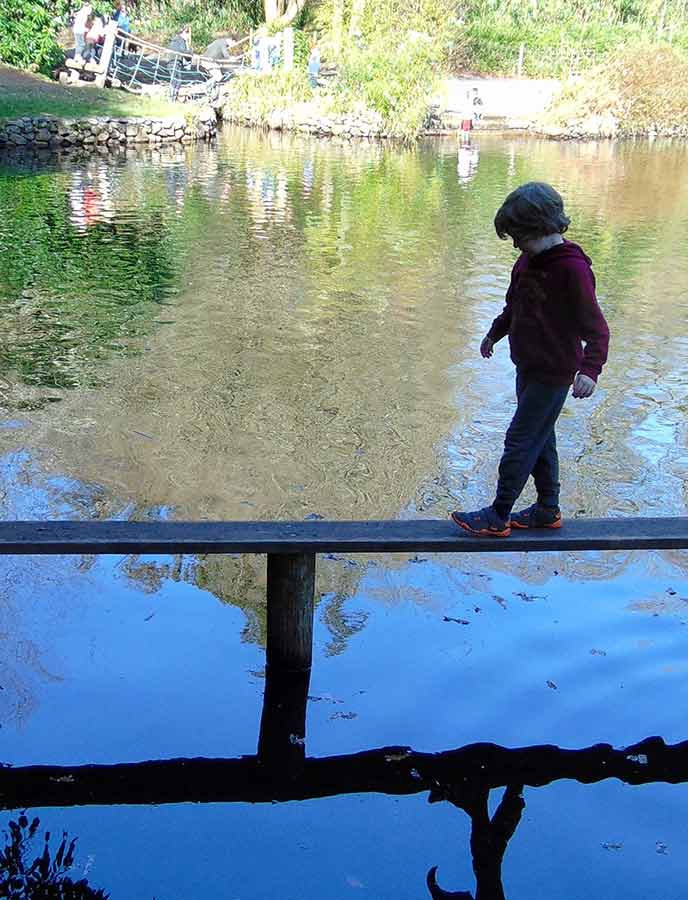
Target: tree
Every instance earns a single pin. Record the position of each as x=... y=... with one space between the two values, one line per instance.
x=280 y=13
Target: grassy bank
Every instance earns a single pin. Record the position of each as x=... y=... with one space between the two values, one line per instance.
x=25 y=94
x=636 y=91
x=559 y=37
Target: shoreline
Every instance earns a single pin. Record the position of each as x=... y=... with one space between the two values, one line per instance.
x=44 y=132
x=54 y=134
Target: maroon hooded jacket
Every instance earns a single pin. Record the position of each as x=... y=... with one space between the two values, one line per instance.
x=550 y=309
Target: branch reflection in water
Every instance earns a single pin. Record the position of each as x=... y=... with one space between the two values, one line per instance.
x=463 y=777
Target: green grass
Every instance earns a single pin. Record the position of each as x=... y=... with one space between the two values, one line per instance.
x=38 y=96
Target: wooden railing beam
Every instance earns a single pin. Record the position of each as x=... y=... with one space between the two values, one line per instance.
x=311 y=537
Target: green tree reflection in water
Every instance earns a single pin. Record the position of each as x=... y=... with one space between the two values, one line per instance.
x=77 y=285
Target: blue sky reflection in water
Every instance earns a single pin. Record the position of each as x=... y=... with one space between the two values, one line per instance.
x=304 y=319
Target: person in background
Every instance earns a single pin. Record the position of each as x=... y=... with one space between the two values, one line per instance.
x=180 y=43
x=121 y=16
x=79 y=29
x=467 y=112
x=94 y=38
x=219 y=49
x=477 y=104
x=314 y=65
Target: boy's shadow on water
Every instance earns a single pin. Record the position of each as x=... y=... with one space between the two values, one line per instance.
x=489 y=837
x=30 y=870
x=281 y=772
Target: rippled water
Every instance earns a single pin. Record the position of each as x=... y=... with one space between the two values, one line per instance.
x=273 y=328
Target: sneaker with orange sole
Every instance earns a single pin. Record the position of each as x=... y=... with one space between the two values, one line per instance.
x=537 y=516
x=483 y=522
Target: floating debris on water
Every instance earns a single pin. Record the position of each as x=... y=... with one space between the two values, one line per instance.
x=639 y=758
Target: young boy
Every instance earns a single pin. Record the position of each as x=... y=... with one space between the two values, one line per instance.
x=550 y=310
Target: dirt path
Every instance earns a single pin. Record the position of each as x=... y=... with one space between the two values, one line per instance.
x=508 y=98
x=15 y=80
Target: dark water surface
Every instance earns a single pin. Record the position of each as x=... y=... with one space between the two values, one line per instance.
x=273 y=328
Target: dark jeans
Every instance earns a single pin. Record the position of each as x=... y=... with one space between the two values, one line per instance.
x=175 y=78
x=530 y=445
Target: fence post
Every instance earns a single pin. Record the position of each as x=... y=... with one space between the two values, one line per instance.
x=288 y=657
x=288 y=49
x=521 y=52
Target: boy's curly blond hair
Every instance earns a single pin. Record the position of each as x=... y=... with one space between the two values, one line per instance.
x=533 y=210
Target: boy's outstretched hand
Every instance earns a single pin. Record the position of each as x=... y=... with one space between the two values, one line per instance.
x=583 y=386
x=486 y=347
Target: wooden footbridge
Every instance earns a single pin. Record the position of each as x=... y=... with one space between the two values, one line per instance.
x=130 y=62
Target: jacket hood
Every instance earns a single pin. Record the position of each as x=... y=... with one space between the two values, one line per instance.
x=555 y=255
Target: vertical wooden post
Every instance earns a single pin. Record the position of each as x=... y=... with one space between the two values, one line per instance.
x=521 y=52
x=291 y=585
x=282 y=739
x=289 y=652
x=106 y=54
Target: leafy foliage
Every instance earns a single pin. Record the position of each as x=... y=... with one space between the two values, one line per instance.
x=386 y=65
x=560 y=37
x=208 y=18
x=45 y=878
x=28 y=30
x=267 y=93
x=393 y=78
x=638 y=89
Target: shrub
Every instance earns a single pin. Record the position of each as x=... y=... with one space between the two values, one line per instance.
x=163 y=18
x=642 y=88
x=267 y=93
x=28 y=29
x=392 y=77
x=550 y=50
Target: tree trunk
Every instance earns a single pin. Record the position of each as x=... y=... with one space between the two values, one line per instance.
x=283 y=17
x=271 y=10
x=337 y=27
x=357 y=10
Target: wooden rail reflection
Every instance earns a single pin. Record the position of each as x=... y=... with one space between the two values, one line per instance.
x=387 y=770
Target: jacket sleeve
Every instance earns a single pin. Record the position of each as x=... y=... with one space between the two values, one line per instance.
x=592 y=326
x=501 y=325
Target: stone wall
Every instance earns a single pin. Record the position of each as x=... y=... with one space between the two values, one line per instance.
x=55 y=133
x=306 y=119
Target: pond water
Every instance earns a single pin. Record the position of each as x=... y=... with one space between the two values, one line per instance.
x=275 y=328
